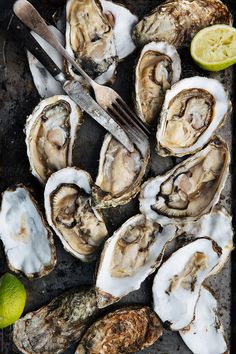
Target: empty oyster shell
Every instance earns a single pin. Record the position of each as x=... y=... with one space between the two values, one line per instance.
x=205 y=334
x=120 y=172
x=193 y=109
x=27 y=240
x=157 y=69
x=54 y=327
x=50 y=134
x=129 y=256
x=79 y=226
x=190 y=189
x=178 y=281
x=126 y=330
x=171 y=21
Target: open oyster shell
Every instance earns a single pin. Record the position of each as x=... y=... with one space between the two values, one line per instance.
x=205 y=334
x=178 y=281
x=120 y=172
x=54 y=327
x=50 y=135
x=193 y=109
x=171 y=21
x=79 y=226
x=133 y=252
x=190 y=189
x=27 y=240
x=157 y=69
x=126 y=330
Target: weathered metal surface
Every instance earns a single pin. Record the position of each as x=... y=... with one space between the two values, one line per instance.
x=17 y=99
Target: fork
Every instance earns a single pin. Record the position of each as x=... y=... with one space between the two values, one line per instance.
x=106 y=97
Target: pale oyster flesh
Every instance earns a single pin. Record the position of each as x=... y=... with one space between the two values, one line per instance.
x=69 y=212
x=129 y=256
x=205 y=334
x=27 y=240
x=190 y=189
x=50 y=134
x=171 y=21
x=157 y=69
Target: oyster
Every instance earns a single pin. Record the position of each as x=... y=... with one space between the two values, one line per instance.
x=178 y=281
x=126 y=330
x=193 y=109
x=120 y=172
x=190 y=189
x=50 y=134
x=79 y=226
x=129 y=256
x=157 y=69
x=54 y=327
x=205 y=334
x=27 y=240
x=171 y=21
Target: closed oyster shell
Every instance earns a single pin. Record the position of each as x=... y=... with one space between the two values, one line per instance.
x=54 y=327
x=176 y=22
x=126 y=330
x=27 y=239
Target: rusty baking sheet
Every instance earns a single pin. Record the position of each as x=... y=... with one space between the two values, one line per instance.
x=18 y=97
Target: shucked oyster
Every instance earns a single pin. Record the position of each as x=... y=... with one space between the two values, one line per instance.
x=193 y=109
x=176 y=22
x=57 y=325
x=129 y=256
x=27 y=240
x=190 y=189
x=80 y=226
x=120 y=172
x=157 y=69
x=126 y=330
x=50 y=135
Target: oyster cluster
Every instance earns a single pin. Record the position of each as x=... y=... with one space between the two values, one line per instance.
x=178 y=208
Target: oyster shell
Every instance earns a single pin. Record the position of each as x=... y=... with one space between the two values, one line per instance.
x=190 y=189
x=171 y=21
x=126 y=330
x=120 y=172
x=27 y=240
x=79 y=226
x=157 y=69
x=178 y=281
x=129 y=256
x=205 y=334
x=54 y=327
x=50 y=134
x=193 y=109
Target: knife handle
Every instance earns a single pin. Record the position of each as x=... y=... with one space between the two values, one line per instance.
x=30 y=43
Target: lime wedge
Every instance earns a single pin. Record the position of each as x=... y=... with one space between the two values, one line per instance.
x=12 y=299
x=214 y=48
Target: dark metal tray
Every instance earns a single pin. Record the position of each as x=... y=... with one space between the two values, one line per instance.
x=18 y=97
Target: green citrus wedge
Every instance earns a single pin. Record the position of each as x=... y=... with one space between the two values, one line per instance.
x=214 y=48
x=12 y=299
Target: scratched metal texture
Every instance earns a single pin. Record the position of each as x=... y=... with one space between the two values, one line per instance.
x=18 y=97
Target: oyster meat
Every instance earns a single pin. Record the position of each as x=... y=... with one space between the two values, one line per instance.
x=205 y=334
x=27 y=240
x=50 y=135
x=193 y=109
x=178 y=281
x=176 y=22
x=190 y=189
x=157 y=69
x=129 y=256
x=80 y=226
x=120 y=172
x=54 y=327
x=126 y=330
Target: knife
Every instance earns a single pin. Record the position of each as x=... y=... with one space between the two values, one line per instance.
x=73 y=88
